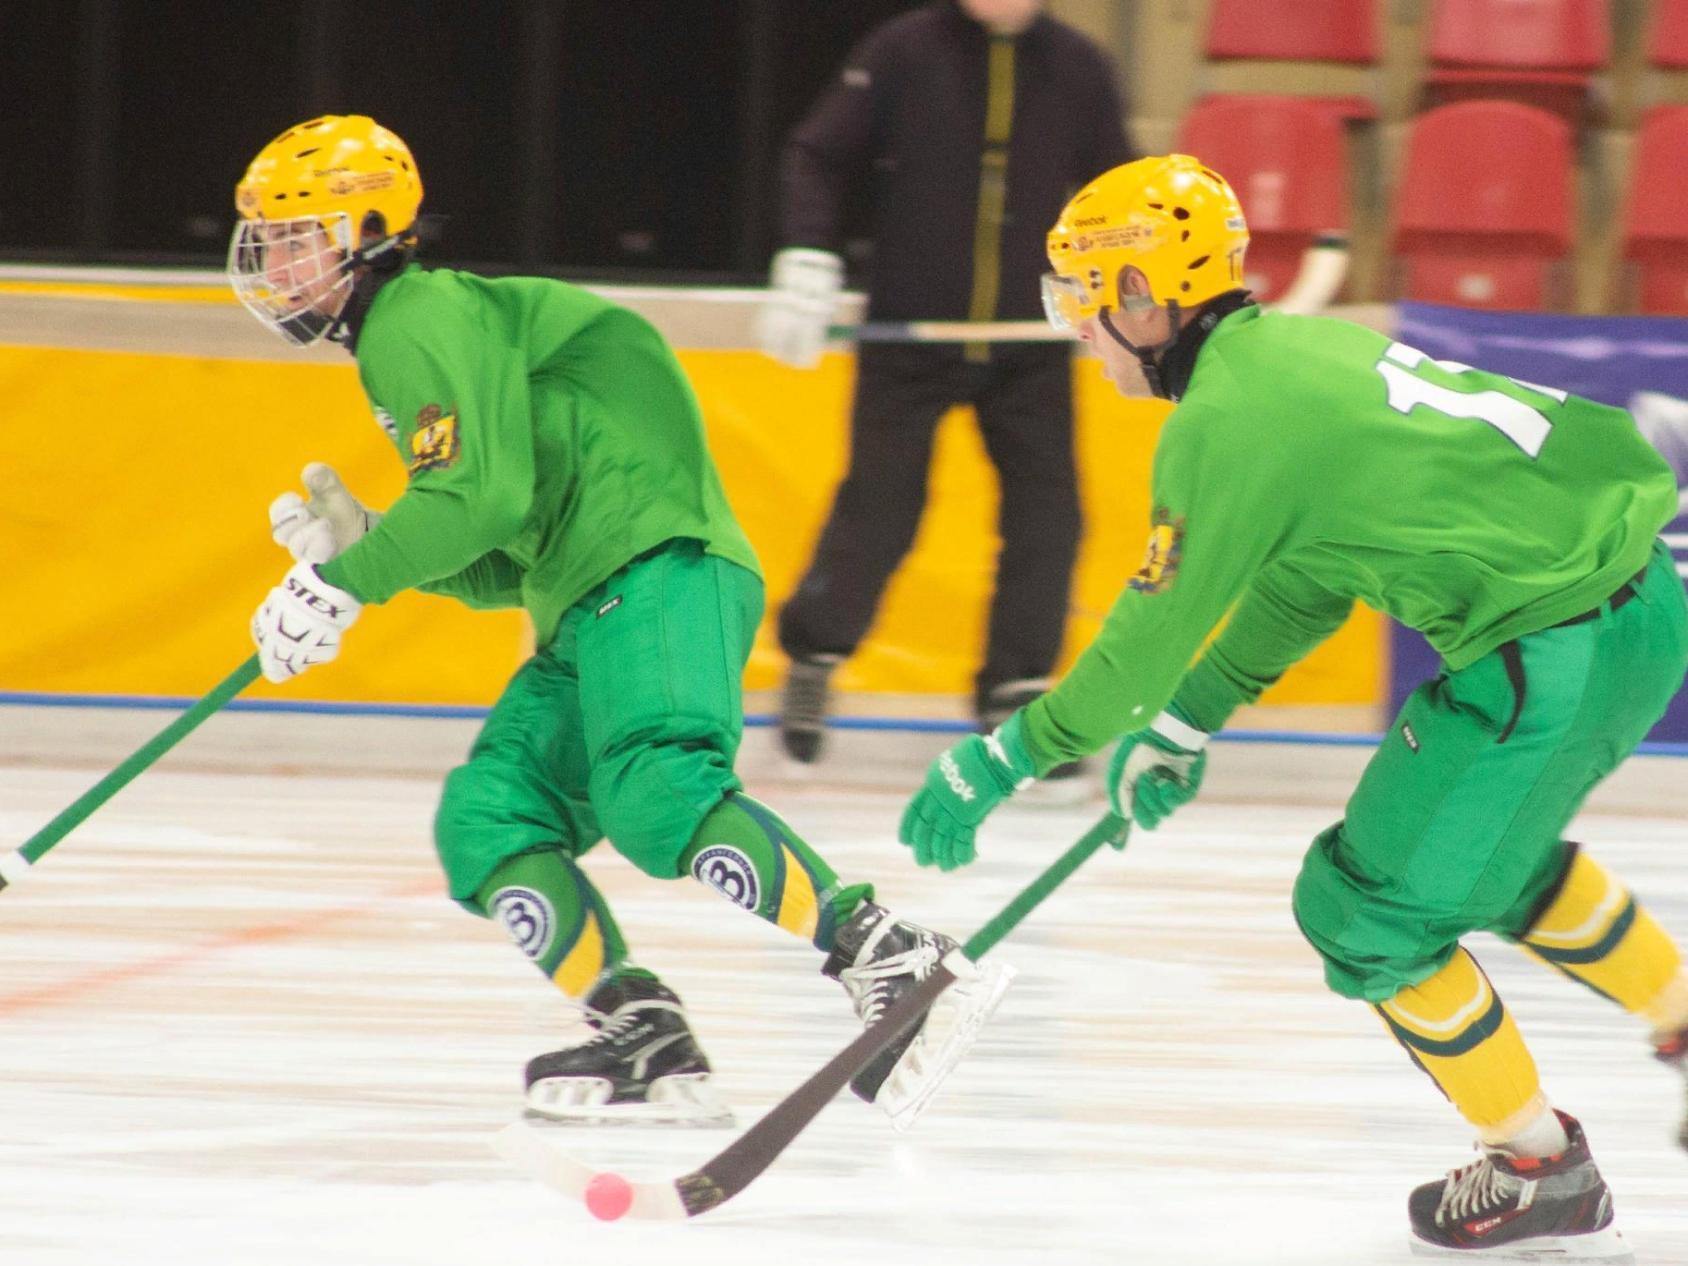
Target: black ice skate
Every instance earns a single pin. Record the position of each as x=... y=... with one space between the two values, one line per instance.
x=1501 y=1207
x=643 y=1065
x=804 y=703
x=878 y=958
x=1674 y=1053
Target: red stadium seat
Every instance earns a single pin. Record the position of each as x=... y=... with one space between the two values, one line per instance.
x=1342 y=32
x=1655 y=231
x=1483 y=209
x=1287 y=159
x=1667 y=38
x=1539 y=52
x=1294 y=30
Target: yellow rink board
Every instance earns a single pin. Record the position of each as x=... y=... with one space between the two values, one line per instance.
x=138 y=543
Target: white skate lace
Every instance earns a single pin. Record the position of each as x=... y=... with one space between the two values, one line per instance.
x=1474 y=1187
x=610 y=1025
x=868 y=985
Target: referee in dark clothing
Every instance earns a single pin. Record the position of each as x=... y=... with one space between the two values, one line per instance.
x=973 y=122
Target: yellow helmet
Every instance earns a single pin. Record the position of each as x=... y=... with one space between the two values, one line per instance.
x=1170 y=217
x=318 y=201
x=340 y=163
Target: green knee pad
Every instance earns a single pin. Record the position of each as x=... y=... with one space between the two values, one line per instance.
x=1372 y=948
x=493 y=811
x=651 y=796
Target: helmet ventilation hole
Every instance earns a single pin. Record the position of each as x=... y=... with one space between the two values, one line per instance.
x=1198 y=261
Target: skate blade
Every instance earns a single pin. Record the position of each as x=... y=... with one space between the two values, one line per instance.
x=1606 y=1245
x=932 y=1055
x=683 y=1099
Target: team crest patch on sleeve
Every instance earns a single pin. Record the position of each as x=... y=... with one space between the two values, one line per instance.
x=1160 y=561
x=434 y=445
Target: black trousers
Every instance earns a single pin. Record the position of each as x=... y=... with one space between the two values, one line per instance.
x=1023 y=399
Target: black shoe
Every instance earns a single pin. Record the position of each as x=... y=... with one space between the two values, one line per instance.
x=1673 y=1052
x=804 y=704
x=1555 y=1206
x=642 y=1065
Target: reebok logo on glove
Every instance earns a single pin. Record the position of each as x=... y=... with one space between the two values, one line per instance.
x=952 y=775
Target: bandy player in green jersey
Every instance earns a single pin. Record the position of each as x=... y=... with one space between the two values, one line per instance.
x=557 y=462
x=1311 y=463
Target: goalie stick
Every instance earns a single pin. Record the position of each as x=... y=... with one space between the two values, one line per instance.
x=16 y=864
x=729 y=1172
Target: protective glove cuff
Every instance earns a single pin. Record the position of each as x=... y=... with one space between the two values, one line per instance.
x=1172 y=731
x=1010 y=761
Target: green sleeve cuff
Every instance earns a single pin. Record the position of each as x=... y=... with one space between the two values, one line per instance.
x=1033 y=732
x=334 y=574
x=1206 y=697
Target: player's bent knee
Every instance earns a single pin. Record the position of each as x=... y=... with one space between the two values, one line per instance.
x=1371 y=949
x=481 y=821
x=650 y=801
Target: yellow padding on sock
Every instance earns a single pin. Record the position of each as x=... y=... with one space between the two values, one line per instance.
x=585 y=960
x=1456 y=1028
x=800 y=908
x=1595 y=931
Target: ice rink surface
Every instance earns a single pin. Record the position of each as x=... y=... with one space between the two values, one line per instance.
x=242 y=1025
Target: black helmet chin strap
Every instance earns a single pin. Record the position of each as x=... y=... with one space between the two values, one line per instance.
x=1148 y=356
x=375 y=265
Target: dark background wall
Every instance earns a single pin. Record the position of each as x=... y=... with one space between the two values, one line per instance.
x=592 y=137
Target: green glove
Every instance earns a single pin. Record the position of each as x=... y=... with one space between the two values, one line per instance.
x=1156 y=770
x=962 y=787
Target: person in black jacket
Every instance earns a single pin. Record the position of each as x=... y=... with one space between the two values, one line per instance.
x=972 y=121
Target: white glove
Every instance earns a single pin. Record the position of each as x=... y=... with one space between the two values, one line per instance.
x=320 y=529
x=300 y=623
x=803 y=287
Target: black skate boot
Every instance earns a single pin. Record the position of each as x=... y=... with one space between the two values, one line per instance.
x=1673 y=1052
x=1065 y=784
x=804 y=703
x=1555 y=1207
x=878 y=959
x=642 y=1066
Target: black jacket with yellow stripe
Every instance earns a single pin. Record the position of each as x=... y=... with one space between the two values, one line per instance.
x=972 y=142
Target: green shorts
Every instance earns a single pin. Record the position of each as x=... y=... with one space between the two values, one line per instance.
x=1455 y=825
x=625 y=725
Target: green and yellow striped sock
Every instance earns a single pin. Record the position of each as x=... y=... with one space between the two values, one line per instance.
x=747 y=853
x=556 y=917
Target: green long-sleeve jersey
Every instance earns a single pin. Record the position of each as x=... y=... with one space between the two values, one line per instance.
x=1312 y=463
x=550 y=438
